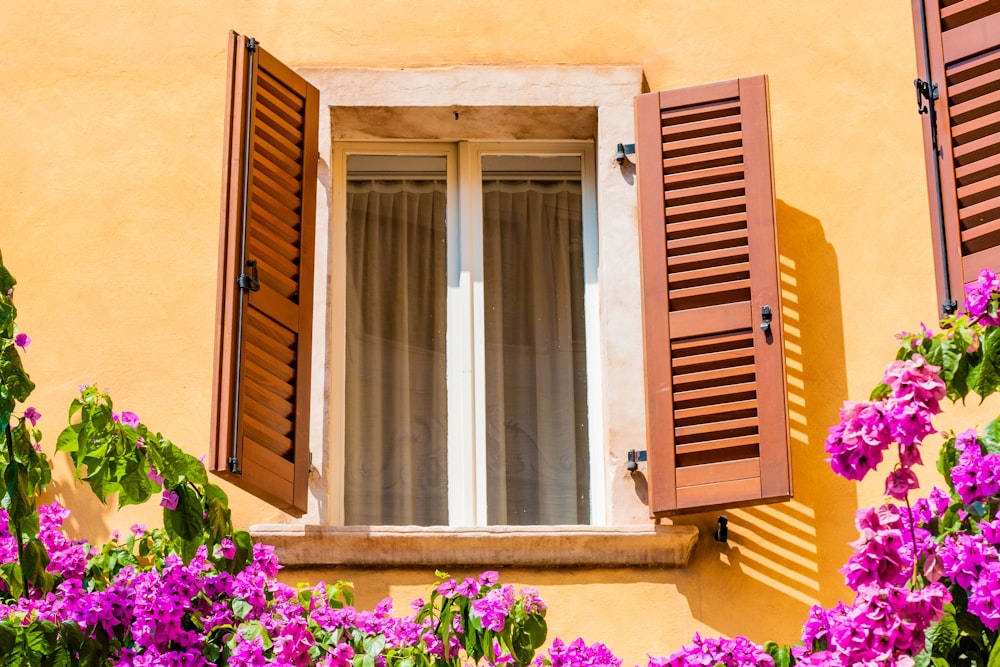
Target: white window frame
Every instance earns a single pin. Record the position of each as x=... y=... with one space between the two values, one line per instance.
x=466 y=357
x=609 y=91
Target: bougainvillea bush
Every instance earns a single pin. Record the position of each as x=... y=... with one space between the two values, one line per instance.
x=925 y=571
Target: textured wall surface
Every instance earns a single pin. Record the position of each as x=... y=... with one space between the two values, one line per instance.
x=111 y=144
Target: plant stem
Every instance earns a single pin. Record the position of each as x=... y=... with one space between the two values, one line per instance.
x=913 y=538
x=18 y=536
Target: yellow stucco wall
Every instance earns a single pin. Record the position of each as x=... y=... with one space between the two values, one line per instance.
x=110 y=161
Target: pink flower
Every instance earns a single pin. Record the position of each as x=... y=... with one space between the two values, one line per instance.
x=127 y=418
x=155 y=476
x=899 y=482
x=138 y=529
x=169 y=499
x=32 y=415
x=22 y=340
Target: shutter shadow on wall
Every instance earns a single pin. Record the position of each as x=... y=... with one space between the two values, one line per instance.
x=715 y=379
x=962 y=46
x=260 y=429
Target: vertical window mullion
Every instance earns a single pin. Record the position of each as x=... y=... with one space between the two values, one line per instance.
x=592 y=324
x=463 y=505
x=470 y=164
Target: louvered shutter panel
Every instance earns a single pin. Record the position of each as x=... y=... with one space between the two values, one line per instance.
x=963 y=48
x=260 y=431
x=715 y=379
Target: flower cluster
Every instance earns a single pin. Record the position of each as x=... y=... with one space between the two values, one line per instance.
x=856 y=445
x=736 y=652
x=981 y=298
x=577 y=654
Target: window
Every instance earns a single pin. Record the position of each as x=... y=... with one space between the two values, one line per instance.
x=958 y=53
x=471 y=312
x=519 y=401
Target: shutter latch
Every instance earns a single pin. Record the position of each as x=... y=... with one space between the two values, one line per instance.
x=634 y=459
x=925 y=90
x=234 y=465
x=250 y=282
x=765 y=318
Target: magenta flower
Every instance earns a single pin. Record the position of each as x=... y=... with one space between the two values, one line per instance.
x=127 y=418
x=980 y=298
x=22 y=340
x=900 y=482
x=32 y=415
x=169 y=499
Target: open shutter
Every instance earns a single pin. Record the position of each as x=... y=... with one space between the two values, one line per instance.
x=960 y=39
x=715 y=377
x=260 y=430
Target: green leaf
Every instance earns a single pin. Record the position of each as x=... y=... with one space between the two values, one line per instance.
x=994 y=660
x=185 y=521
x=536 y=629
x=984 y=378
x=12 y=374
x=943 y=634
x=6 y=279
x=781 y=655
x=241 y=608
x=879 y=392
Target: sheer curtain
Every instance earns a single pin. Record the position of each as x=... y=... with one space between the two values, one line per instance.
x=396 y=401
x=536 y=380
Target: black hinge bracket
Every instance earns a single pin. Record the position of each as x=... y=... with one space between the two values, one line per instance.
x=249 y=281
x=635 y=457
x=252 y=44
x=925 y=91
x=234 y=465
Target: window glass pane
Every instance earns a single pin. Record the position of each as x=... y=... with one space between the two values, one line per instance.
x=396 y=401
x=538 y=470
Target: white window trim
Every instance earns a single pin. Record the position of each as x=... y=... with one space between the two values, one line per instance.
x=608 y=89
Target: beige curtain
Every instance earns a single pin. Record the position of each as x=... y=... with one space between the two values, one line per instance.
x=536 y=381
x=396 y=402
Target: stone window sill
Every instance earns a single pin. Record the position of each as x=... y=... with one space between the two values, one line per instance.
x=517 y=546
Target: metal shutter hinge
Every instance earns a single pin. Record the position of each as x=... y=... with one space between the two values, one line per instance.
x=635 y=457
x=925 y=90
x=234 y=465
x=249 y=281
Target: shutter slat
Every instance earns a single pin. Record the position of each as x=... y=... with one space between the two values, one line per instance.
x=723 y=124
x=710 y=191
x=715 y=381
x=710 y=274
x=984 y=235
x=276 y=190
x=724 y=317
x=701 y=161
x=697 y=450
x=702 y=145
x=722 y=223
x=707 y=242
x=271 y=138
x=719 y=472
x=686 y=179
x=731 y=392
x=720 y=493
x=972 y=37
x=261 y=394
x=978 y=191
x=684 y=416
x=699 y=260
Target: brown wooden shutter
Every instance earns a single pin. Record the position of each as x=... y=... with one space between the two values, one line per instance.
x=963 y=47
x=260 y=429
x=715 y=380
